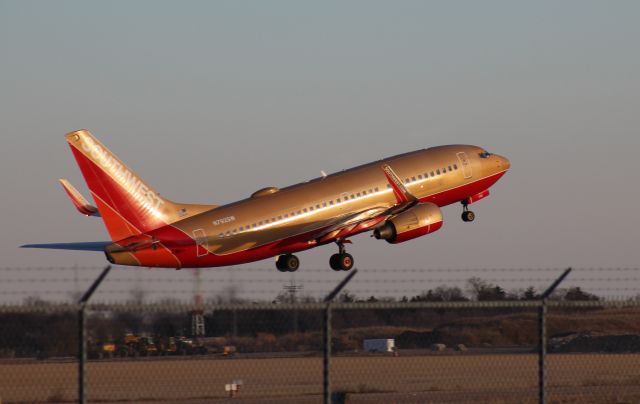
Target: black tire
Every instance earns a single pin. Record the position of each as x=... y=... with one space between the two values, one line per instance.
x=280 y=264
x=468 y=216
x=291 y=263
x=334 y=262
x=345 y=261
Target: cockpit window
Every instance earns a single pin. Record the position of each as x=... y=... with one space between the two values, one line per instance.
x=485 y=154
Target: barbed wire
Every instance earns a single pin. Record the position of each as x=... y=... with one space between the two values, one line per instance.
x=323 y=270
x=322 y=281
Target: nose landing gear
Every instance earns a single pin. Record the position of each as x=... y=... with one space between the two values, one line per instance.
x=467 y=215
x=342 y=261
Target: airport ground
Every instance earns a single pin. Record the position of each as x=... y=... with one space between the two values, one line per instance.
x=469 y=377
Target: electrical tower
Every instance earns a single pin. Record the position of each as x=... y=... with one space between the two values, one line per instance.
x=197 y=315
x=292 y=289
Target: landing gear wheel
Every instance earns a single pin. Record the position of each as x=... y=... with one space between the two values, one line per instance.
x=342 y=261
x=468 y=216
x=287 y=263
x=334 y=262
x=345 y=261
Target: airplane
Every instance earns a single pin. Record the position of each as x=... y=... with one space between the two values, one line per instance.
x=397 y=199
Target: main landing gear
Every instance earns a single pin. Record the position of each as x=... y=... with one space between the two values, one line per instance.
x=467 y=215
x=287 y=263
x=342 y=261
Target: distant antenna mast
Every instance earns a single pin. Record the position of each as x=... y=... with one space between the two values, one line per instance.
x=292 y=289
x=197 y=315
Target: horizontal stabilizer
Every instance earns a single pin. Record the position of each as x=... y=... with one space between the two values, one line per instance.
x=78 y=200
x=86 y=246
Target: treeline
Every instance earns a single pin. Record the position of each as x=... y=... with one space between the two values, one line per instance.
x=477 y=289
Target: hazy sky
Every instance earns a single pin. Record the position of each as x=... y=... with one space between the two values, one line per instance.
x=209 y=101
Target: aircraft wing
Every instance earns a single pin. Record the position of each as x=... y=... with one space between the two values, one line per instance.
x=347 y=225
x=365 y=220
x=83 y=246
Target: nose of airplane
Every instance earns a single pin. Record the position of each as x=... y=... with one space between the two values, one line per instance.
x=503 y=162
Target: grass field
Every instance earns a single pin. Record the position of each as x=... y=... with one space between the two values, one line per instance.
x=504 y=378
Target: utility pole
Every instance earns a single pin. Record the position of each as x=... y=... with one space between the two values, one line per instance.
x=292 y=289
x=197 y=314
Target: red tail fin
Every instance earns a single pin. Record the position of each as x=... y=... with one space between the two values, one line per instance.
x=126 y=203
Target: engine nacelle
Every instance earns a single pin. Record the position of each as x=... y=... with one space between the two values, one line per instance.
x=419 y=220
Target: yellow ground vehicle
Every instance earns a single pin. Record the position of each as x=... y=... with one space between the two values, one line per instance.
x=134 y=346
x=229 y=350
x=101 y=350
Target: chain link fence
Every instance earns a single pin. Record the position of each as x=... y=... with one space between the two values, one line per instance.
x=464 y=351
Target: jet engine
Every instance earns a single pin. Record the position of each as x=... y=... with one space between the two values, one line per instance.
x=417 y=221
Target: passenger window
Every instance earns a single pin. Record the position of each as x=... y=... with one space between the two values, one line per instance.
x=358 y=194
x=388 y=185
x=413 y=179
x=241 y=228
x=444 y=170
x=304 y=210
x=331 y=203
x=228 y=233
x=221 y=235
x=324 y=204
x=286 y=215
x=370 y=190
x=432 y=174
x=406 y=180
x=376 y=189
x=455 y=166
x=273 y=219
x=279 y=217
x=253 y=225
x=419 y=176
x=450 y=168
x=438 y=171
x=234 y=231
x=310 y=208
x=364 y=193
x=260 y=223
x=353 y=196
x=318 y=206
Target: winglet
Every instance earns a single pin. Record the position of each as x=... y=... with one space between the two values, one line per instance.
x=399 y=190
x=78 y=200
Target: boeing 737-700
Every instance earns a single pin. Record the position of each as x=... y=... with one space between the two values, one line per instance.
x=397 y=199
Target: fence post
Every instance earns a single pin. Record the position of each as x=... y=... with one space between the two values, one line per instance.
x=542 y=337
x=542 y=351
x=326 y=359
x=82 y=336
x=326 y=338
x=82 y=355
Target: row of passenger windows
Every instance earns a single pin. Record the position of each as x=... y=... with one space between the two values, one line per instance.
x=332 y=202
x=434 y=173
x=343 y=198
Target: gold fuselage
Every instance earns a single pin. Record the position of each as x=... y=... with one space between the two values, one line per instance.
x=431 y=175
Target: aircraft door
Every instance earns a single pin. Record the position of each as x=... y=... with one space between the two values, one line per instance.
x=201 y=242
x=465 y=164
